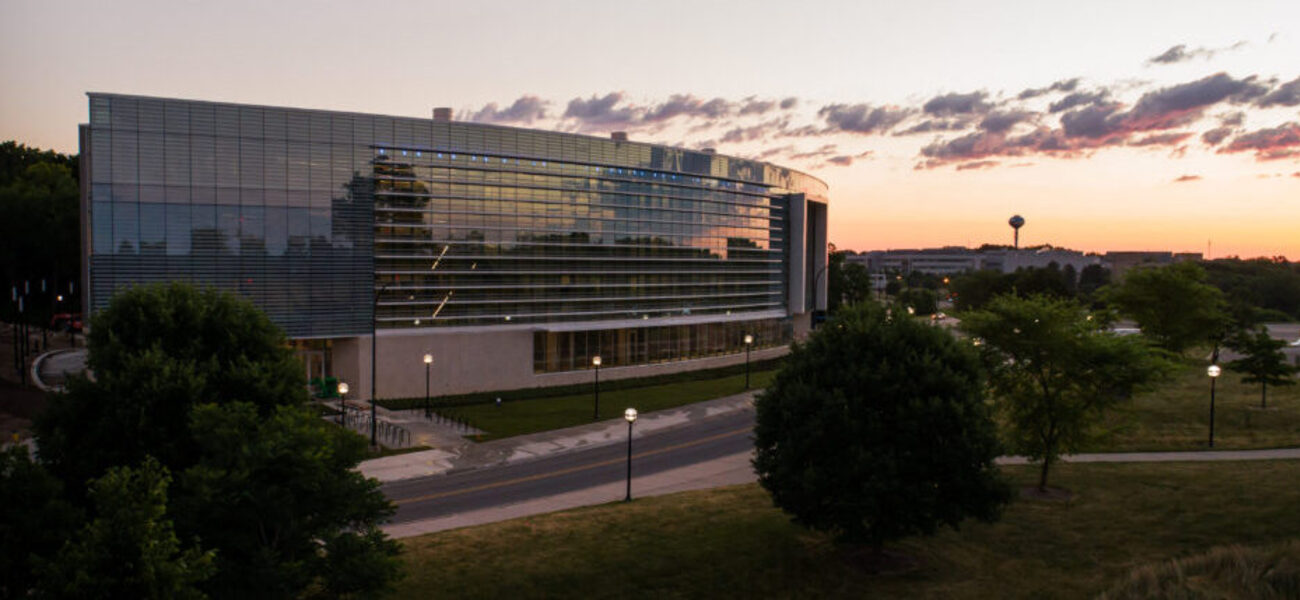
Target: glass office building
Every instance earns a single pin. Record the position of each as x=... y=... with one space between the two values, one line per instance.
x=513 y=255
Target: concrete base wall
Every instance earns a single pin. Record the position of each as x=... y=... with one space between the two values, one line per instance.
x=481 y=362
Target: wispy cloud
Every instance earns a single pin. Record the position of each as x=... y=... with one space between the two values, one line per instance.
x=1187 y=178
x=1181 y=53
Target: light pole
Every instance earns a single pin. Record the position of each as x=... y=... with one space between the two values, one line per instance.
x=343 y=405
x=374 y=326
x=1213 y=371
x=749 y=342
x=595 y=412
x=630 y=415
x=428 y=362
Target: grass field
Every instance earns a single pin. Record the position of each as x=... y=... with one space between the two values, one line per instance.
x=1176 y=416
x=731 y=543
x=542 y=414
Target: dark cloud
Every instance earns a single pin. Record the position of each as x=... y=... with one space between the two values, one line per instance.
x=602 y=111
x=931 y=125
x=1065 y=85
x=1271 y=143
x=948 y=105
x=1003 y=121
x=686 y=105
x=1078 y=99
x=1180 y=53
x=1186 y=178
x=861 y=118
x=1177 y=105
x=977 y=164
x=1287 y=94
x=840 y=161
x=524 y=110
x=1096 y=121
x=773 y=152
x=1216 y=135
x=754 y=106
x=1232 y=119
x=789 y=103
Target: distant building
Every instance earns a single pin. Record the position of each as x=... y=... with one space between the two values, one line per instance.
x=951 y=260
x=1120 y=262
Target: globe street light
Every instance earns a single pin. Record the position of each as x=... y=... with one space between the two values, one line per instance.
x=343 y=407
x=749 y=342
x=595 y=411
x=630 y=415
x=428 y=362
x=1213 y=371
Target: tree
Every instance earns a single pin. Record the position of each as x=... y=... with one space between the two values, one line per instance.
x=1264 y=362
x=847 y=282
x=876 y=429
x=157 y=351
x=1092 y=278
x=1172 y=304
x=205 y=383
x=130 y=550
x=35 y=520
x=279 y=498
x=975 y=289
x=39 y=213
x=1054 y=371
x=922 y=301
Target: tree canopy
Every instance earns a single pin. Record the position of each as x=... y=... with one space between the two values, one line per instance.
x=1054 y=371
x=1173 y=305
x=203 y=384
x=1263 y=361
x=39 y=216
x=876 y=429
x=157 y=351
x=130 y=549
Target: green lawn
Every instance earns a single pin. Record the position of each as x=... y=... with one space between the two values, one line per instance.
x=730 y=542
x=1176 y=416
x=542 y=414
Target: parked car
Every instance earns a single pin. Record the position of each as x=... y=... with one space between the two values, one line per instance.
x=66 y=322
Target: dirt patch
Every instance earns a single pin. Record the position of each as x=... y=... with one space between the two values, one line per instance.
x=1050 y=494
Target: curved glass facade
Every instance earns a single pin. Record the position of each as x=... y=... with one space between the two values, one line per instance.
x=322 y=217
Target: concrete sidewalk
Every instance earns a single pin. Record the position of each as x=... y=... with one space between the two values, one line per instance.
x=451 y=451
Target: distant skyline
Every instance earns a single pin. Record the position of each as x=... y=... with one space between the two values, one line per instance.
x=1107 y=125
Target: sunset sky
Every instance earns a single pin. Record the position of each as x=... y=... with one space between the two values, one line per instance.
x=1107 y=125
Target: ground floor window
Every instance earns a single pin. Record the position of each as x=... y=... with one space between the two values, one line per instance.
x=555 y=351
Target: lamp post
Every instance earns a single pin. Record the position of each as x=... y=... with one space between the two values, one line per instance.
x=343 y=406
x=428 y=362
x=374 y=333
x=749 y=342
x=595 y=411
x=1213 y=371
x=630 y=415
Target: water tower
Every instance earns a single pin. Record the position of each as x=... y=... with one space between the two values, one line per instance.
x=1016 y=223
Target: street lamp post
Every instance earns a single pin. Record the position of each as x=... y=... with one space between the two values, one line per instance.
x=749 y=342
x=428 y=362
x=630 y=415
x=343 y=405
x=1213 y=371
x=595 y=411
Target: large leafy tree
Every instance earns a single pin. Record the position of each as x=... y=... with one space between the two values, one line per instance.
x=1054 y=371
x=876 y=429
x=156 y=352
x=1172 y=304
x=205 y=383
x=39 y=236
x=35 y=520
x=130 y=549
x=1263 y=361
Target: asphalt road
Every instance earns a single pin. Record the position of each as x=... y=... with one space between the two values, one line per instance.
x=455 y=492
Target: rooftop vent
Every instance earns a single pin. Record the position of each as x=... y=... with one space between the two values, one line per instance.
x=442 y=113
x=618 y=136
x=709 y=150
